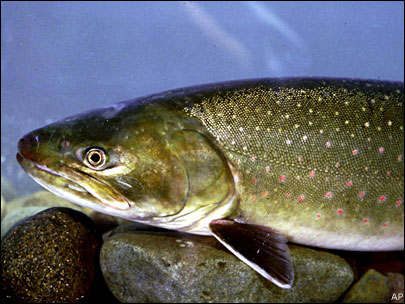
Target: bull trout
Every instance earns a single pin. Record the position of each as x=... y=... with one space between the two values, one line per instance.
x=255 y=163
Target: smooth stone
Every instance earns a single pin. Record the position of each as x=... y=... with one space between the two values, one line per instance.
x=43 y=198
x=7 y=189
x=178 y=267
x=104 y=222
x=3 y=207
x=50 y=257
x=373 y=287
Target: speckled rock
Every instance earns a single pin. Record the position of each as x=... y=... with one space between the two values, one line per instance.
x=47 y=199
x=373 y=287
x=175 y=267
x=50 y=257
x=17 y=215
x=397 y=291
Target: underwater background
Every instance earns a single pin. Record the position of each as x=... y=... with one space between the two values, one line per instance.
x=62 y=58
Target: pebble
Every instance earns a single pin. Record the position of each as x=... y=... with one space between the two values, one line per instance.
x=50 y=257
x=373 y=287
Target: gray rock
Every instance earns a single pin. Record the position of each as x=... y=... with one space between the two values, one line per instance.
x=175 y=267
x=50 y=257
x=373 y=287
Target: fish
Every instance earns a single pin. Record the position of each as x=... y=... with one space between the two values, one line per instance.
x=255 y=163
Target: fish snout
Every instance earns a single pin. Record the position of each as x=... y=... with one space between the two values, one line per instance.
x=28 y=147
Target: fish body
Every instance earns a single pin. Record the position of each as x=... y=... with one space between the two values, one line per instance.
x=314 y=161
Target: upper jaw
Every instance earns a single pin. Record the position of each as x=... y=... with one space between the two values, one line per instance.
x=74 y=185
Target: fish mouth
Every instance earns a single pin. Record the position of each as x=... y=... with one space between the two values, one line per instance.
x=75 y=185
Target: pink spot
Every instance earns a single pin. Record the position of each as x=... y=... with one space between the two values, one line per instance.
x=399 y=157
x=300 y=158
x=384 y=225
x=312 y=173
x=282 y=178
x=255 y=180
x=300 y=198
x=382 y=198
x=381 y=150
x=365 y=220
x=355 y=151
x=337 y=165
x=349 y=183
x=318 y=215
x=388 y=172
x=267 y=169
x=398 y=203
x=329 y=195
x=253 y=158
x=328 y=144
x=362 y=194
x=287 y=195
x=253 y=198
x=65 y=143
x=339 y=211
x=265 y=193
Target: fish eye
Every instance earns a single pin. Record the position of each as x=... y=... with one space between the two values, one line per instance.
x=95 y=158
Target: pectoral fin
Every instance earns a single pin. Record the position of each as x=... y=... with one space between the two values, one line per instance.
x=262 y=248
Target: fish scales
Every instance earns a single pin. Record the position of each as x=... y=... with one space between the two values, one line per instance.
x=319 y=162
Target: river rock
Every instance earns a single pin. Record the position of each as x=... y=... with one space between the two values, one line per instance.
x=50 y=257
x=177 y=267
x=373 y=287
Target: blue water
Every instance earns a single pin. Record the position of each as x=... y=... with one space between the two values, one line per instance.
x=61 y=58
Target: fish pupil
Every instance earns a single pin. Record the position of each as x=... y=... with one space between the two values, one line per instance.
x=95 y=158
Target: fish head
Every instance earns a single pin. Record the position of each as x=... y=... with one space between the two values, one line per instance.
x=132 y=163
